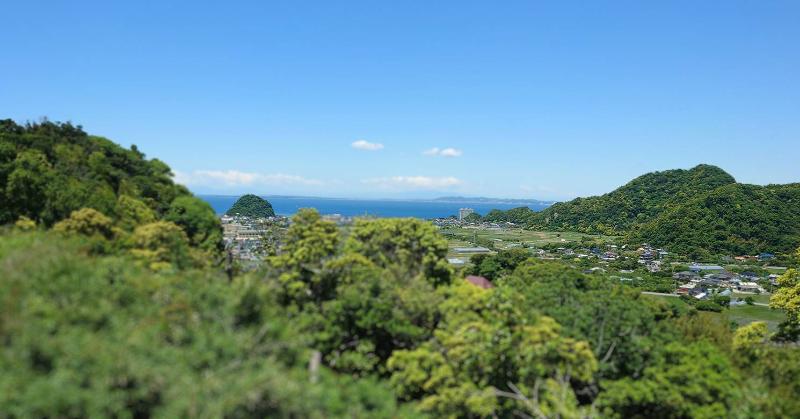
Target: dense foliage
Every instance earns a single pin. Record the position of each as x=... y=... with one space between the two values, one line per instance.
x=521 y=216
x=733 y=219
x=493 y=266
x=638 y=201
x=699 y=213
x=49 y=171
x=787 y=297
x=98 y=336
x=251 y=206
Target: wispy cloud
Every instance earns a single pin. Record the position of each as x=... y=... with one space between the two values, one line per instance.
x=228 y=178
x=366 y=145
x=414 y=182
x=444 y=152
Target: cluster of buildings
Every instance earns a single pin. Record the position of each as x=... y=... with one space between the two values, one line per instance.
x=702 y=281
x=651 y=257
x=648 y=256
x=482 y=225
x=339 y=219
x=245 y=237
x=464 y=212
x=249 y=239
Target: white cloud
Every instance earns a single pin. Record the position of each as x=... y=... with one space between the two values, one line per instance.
x=450 y=152
x=229 y=178
x=444 y=152
x=366 y=145
x=414 y=182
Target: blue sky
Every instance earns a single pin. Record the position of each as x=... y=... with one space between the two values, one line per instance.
x=526 y=99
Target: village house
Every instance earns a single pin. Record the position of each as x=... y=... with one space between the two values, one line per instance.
x=749 y=287
x=697 y=268
x=685 y=276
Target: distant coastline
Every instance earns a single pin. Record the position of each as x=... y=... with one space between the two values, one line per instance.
x=417 y=208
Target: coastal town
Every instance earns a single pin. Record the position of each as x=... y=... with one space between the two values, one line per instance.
x=655 y=270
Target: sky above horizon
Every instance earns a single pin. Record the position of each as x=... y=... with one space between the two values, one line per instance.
x=417 y=99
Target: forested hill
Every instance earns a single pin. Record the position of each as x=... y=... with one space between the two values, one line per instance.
x=640 y=200
x=55 y=174
x=732 y=219
x=252 y=206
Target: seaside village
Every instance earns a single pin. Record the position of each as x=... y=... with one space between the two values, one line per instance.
x=250 y=240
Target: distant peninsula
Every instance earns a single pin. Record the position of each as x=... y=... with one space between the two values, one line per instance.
x=484 y=200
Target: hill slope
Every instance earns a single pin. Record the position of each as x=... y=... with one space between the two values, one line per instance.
x=732 y=219
x=252 y=206
x=640 y=200
x=48 y=170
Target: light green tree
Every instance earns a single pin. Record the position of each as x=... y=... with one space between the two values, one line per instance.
x=409 y=246
x=88 y=222
x=688 y=381
x=489 y=358
x=309 y=242
x=162 y=245
x=787 y=297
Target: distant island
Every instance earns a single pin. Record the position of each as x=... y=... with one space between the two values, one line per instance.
x=252 y=206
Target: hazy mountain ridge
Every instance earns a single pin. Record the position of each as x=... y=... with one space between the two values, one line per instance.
x=482 y=199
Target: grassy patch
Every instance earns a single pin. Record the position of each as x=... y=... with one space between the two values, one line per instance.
x=745 y=314
x=759 y=298
x=742 y=315
x=503 y=237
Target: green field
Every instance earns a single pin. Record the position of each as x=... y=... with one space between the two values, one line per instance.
x=759 y=298
x=748 y=314
x=503 y=237
x=509 y=238
x=744 y=314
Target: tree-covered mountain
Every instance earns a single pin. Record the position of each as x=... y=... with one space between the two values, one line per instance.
x=640 y=200
x=732 y=219
x=252 y=206
x=55 y=174
x=520 y=215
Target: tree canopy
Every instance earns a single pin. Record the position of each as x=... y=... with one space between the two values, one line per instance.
x=698 y=213
x=55 y=172
x=639 y=200
x=732 y=219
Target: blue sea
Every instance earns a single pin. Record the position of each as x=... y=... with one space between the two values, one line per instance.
x=288 y=205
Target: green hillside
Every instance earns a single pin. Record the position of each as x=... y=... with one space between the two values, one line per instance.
x=251 y=206
x=521 y=215
x=640 y=200
x=732 y=219
x=57 y=175
x=697 y=212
